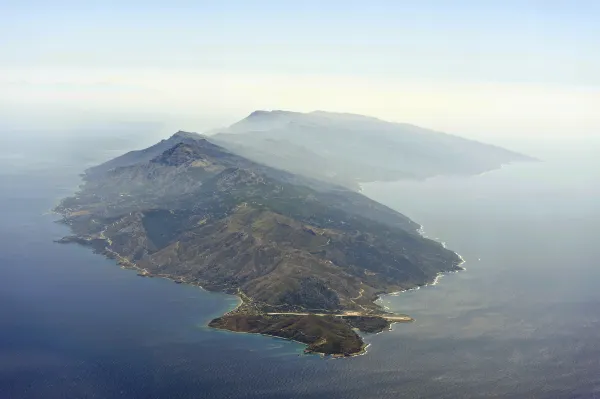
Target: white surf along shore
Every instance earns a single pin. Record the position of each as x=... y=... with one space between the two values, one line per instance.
x=437 y=278
x=422 y=233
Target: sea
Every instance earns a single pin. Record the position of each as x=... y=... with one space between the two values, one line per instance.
x=522 y=321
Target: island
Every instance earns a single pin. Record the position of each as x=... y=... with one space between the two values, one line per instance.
x=350 y=149
x=308 y=258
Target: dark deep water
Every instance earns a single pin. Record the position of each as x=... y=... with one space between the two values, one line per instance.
x=522 y=321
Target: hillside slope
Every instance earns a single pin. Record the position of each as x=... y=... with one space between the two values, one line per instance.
x=201 y=215
x=350 y=149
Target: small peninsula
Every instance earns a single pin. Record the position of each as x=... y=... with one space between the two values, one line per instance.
x=308 y=258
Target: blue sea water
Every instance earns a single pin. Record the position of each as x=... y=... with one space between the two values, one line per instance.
x=522 y=321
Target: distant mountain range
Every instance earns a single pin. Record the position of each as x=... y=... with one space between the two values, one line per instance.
x=350 y=149
x=307 y=255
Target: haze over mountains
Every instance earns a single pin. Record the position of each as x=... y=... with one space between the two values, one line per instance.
x=350 y=149
x=339 y=148
x=265 y=215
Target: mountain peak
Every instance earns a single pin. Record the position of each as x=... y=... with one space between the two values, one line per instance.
x=190 y=150
x=189 y=210
x=349 y=148
x=262 y=120
x=179 y=154
x=181 y=134
x=277 y=113
x=259 y=113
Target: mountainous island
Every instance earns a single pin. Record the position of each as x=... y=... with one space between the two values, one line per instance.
x=307 y=255
x=350 y=149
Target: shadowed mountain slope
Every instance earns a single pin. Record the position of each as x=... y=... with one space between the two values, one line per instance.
x=192 y=211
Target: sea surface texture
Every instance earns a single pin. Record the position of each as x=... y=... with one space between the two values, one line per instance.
x=522 y=321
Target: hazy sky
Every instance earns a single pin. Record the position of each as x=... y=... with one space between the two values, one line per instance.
x=467 y=67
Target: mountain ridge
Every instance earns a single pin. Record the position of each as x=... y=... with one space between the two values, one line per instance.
x=350 y=149
x=192 y=211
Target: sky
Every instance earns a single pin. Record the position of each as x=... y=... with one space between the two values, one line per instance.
x=475 y=68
